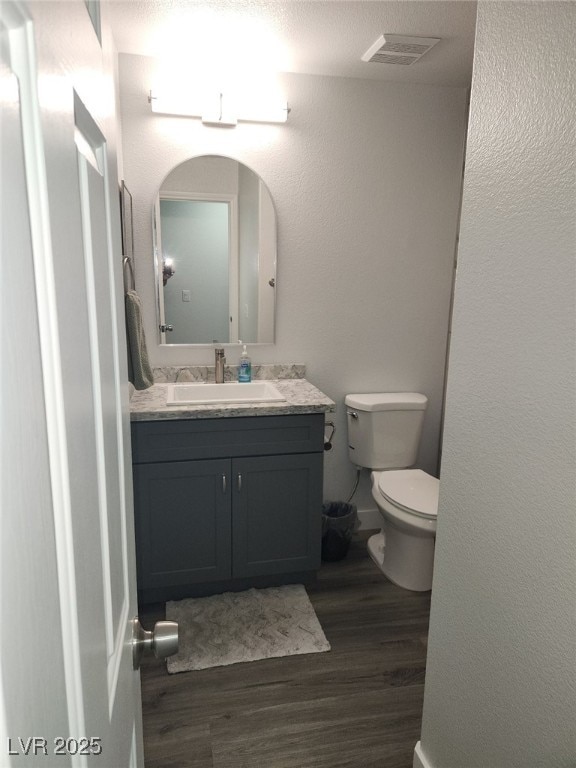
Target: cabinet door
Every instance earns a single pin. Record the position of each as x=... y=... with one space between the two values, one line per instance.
x=276 y=514
x=182 y=522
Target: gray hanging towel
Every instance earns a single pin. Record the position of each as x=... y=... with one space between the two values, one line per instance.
x=139 y=370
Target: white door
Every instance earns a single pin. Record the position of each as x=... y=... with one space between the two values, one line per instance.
x=159 y=265
x=199 y=232
x=67 y=573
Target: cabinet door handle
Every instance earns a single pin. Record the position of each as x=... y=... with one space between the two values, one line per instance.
x=224 y=484
x=239 y=482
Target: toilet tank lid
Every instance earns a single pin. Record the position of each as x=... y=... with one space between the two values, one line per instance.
x=387 y=401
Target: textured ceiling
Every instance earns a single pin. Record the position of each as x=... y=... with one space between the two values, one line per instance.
x=322 y=37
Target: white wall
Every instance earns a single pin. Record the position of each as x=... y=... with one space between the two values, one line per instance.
x=206 y=174
x=248 y=236
x=501 y=674
x=365 y=177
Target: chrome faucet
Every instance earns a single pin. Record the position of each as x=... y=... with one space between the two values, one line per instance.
x=219 y=363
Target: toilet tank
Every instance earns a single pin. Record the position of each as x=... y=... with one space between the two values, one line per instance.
x=384 y=428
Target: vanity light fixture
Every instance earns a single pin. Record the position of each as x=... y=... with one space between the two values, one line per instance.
x=220 y=110
x=168 y=270
x=220 y=115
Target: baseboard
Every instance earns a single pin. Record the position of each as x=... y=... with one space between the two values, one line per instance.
x=369 y=519
x=420 y=760
x=153 y=595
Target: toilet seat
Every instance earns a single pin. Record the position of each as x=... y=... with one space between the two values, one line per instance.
x=411 y=490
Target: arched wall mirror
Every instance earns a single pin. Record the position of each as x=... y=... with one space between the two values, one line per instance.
x=215 y=254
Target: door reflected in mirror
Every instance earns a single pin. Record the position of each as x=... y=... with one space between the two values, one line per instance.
x=215 y=254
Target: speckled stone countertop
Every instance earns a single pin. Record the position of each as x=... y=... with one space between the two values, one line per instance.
x=300 y=397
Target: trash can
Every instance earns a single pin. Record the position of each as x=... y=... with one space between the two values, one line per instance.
x=338 y=523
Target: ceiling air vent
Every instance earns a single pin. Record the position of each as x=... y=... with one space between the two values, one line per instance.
x=399 y=49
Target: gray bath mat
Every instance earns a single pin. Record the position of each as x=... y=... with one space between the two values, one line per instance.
x=244 y=626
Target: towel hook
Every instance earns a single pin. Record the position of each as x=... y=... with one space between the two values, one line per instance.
x=128 y=269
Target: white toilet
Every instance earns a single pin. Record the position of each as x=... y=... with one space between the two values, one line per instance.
x=383 y=435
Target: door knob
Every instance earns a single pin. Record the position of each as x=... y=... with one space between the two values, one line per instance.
x=162 y=640
x=166 y=328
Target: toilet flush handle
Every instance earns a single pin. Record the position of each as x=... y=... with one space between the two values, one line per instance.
x=352 y=414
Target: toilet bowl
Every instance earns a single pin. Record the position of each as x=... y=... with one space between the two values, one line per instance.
x=407 y=500
x=384 y=431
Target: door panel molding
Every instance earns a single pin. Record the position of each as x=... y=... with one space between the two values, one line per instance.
x=103 y=330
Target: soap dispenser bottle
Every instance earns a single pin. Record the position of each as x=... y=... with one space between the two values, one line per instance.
x=244 y=366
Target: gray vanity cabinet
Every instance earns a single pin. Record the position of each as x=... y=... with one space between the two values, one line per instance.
x=182 y=522
x=226 y=503
x=276 y=519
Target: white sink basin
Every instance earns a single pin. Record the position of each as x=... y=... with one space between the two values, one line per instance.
x=201 y=393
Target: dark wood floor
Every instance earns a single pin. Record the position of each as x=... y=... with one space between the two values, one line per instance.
x=357 y=706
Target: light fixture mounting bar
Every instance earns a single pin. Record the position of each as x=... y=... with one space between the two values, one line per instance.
x=220 y=108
